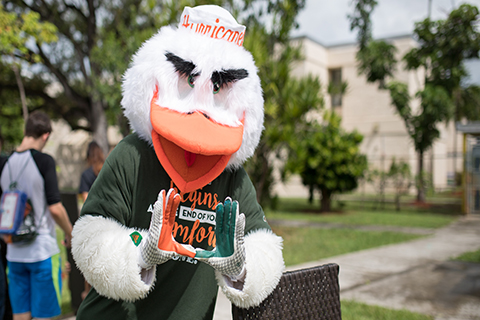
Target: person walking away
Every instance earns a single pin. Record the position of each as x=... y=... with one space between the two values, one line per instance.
x=34 y=272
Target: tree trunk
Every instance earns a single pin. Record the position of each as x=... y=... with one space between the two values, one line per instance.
x=311 y=189
x=421 y=182
x=397 y=202
x=382 y=192
x=100 y=126
x=21 y=89
x=325 y=203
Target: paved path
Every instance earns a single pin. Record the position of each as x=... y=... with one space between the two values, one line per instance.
x=415 y=275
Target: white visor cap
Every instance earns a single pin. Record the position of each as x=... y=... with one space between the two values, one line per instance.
x=214 y=22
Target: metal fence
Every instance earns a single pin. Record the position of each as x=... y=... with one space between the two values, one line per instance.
x=472 y=174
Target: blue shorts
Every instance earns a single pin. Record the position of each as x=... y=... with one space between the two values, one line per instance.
x=36 y=287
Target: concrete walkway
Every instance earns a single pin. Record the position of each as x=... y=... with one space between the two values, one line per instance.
x=415 y=275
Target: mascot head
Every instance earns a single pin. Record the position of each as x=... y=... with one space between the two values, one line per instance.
x=193 y=92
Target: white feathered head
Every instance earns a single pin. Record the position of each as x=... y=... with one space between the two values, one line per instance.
x=194 y=93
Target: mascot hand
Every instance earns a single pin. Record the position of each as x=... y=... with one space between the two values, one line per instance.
x=159 y=245
x=228 y=257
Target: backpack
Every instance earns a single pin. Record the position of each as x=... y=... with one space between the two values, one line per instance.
x=17 y=218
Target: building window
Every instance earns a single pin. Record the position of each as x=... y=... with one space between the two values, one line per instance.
x=336 y=88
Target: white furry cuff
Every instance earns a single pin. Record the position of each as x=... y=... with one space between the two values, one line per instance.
x=263 y=265
x=106 y=255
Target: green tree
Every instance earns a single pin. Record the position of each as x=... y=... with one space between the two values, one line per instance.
x=443 y=47
x=15 y=32
x=376 y=58
x=435 y=107
x=11 y=120
x=467 y=103
x=96 y=42
x=287 y=99
x=328 y=159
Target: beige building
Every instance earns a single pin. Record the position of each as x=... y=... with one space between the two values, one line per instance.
x=367 y=109
x=69 y=149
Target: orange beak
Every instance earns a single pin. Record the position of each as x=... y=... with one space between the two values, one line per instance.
x=192 y=148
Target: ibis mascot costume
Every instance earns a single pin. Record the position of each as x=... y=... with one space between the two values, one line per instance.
x=173 y=215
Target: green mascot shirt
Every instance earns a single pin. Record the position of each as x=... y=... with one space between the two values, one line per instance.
x=126 y=190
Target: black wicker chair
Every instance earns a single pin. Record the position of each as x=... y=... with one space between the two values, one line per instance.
x=311 y=293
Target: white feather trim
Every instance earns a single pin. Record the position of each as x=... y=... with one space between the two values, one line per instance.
x=150 y=68
x=107 y=257
x=263 y=265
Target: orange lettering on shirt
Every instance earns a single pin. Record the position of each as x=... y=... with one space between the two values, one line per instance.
x=192 y=233
x=197 y=233
x=183 y=230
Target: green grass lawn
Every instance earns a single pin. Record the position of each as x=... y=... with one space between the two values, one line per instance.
x=352 y=310
x=473 y=256
x=308 y=244
x=300 y=209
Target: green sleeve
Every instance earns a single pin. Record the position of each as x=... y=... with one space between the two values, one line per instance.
x=246 y=196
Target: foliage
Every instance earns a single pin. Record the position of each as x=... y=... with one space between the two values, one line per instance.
x=376 y=58
x=361 y=20
x=11 y=121
x=435 y=107
x=401 y=178
x=377 y=61
x=96 y=42
x=288 y=100
x=467 y=103
x=337 y=89
x=327 y=158
x=443 y=47
x=472 y=256
x=16 y=31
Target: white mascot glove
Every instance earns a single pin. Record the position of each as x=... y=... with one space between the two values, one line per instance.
x=228 y=257
x=159 y=245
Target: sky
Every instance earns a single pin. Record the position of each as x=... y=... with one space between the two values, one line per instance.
x=326 y=21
